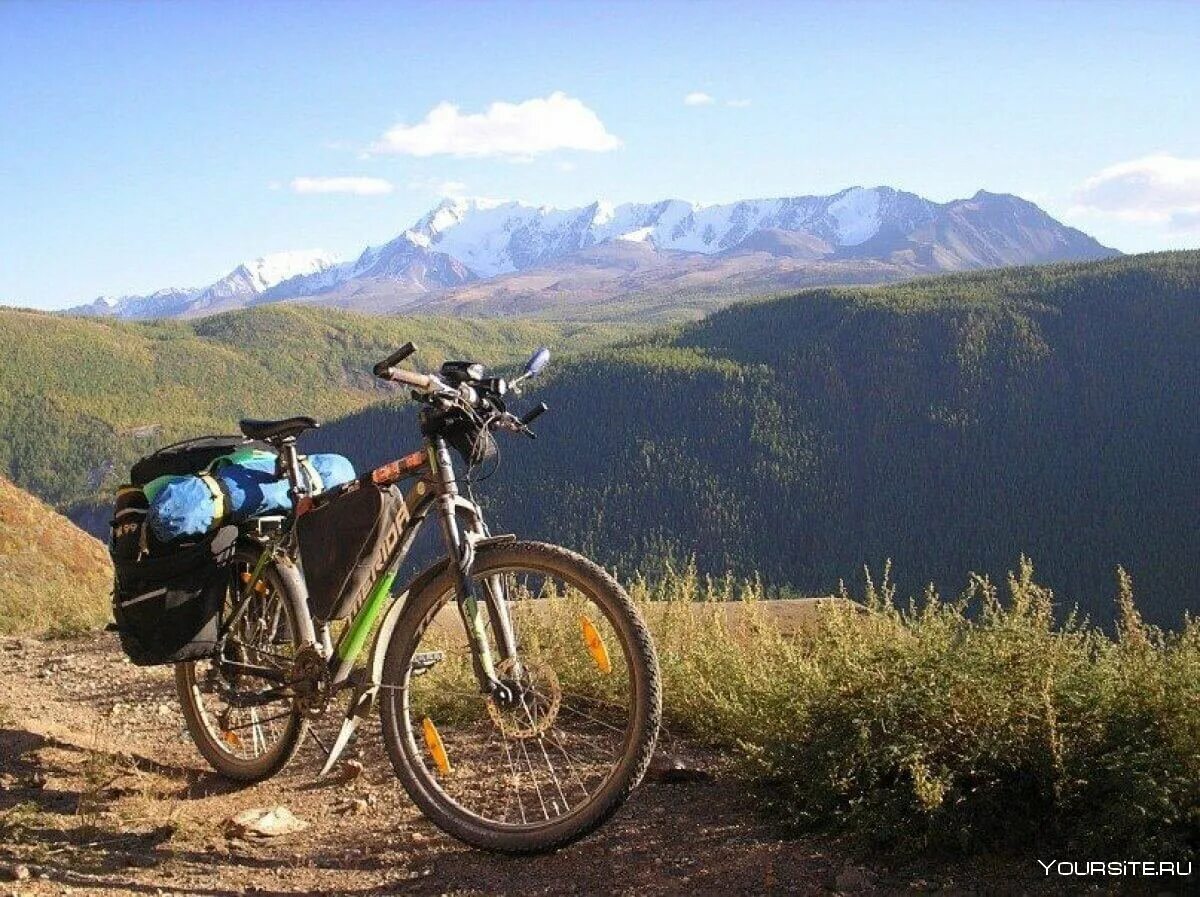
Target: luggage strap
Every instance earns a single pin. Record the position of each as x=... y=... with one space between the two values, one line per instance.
x=217 y=489
x=316 y=485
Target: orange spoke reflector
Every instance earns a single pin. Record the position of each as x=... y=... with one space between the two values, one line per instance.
x=595 y=645
x=260 y=586
x=231 y=738
x=437 y=750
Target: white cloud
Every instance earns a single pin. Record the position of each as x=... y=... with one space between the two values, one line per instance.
x=1156 y=189
x=1187 y=220
x=357 y=185
x=700 y=98
x=518 y=131
x=565 y=166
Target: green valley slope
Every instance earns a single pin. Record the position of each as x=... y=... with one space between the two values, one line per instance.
x=80 y=399
x=949 y=424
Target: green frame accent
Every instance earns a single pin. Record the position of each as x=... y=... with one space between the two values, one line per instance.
x=351 y=643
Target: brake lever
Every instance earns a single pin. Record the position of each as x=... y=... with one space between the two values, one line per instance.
x=514 y=424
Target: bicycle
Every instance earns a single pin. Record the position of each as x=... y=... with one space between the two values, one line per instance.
x=517 y=685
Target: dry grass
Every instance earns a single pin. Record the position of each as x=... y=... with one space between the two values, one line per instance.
x=963 y=726
x=966 y=725
x=55 y=579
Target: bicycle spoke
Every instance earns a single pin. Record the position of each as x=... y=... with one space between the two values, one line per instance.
x=265 y=720
x=537 y=757
x=554 y=775
x=570 y=764
x=516 y=780
x=589 y=717
x=243 y=733
x=533 y=776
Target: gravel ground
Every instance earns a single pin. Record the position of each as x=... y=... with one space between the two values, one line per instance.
x=101 y=792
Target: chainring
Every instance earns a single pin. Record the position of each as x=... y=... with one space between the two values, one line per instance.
x=309 y=683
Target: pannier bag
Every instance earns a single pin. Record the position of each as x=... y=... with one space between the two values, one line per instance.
x=126 y=542
x=190 y=456
x=173 y=538
x=234 y=488
x=168 y=609
x=342 y=543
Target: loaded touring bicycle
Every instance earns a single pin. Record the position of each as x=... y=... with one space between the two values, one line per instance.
x=516 y=684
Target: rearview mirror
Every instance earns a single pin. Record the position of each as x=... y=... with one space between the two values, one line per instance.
x=536 y=363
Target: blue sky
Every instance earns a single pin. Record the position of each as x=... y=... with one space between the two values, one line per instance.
x=144 y=145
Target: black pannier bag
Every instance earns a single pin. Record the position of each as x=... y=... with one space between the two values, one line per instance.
x=168 y=608
x=345 y=541
x=168 y=597
x=187 y=457
x=127 y=540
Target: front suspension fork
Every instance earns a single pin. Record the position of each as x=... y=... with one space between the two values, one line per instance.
x=460 y=546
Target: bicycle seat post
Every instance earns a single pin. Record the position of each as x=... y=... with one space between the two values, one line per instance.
x=289 y=466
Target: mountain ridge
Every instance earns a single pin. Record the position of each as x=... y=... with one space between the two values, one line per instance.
x=247 y=280
x=464 y=252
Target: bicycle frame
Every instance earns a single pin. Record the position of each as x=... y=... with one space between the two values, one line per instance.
x=435 y=489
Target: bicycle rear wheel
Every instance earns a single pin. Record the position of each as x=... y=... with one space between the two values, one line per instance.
x=550 y=766
x=242 y=739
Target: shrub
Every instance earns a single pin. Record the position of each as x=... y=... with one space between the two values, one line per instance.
x=967 y=725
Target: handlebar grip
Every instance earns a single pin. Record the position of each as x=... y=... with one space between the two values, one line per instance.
x=411 y=378
x=381 y=369
x=534 y=413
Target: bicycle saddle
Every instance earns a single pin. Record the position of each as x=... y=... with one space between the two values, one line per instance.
x=288 y=427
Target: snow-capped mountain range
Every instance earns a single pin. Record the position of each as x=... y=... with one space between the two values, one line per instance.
x=465 y=251
x=246 y=281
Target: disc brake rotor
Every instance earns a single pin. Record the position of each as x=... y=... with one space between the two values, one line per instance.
x=535 y=709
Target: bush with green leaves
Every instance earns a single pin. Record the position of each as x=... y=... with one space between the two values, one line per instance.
x=978 y=724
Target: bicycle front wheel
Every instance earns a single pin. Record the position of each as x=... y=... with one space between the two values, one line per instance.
x=534 y=773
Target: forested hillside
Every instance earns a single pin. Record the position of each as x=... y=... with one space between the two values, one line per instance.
x=80 y=399
x=949 y=424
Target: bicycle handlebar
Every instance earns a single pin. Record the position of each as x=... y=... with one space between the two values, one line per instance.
x=465 y=394
x=423 y=382
x=387 y=370
x=382 y=368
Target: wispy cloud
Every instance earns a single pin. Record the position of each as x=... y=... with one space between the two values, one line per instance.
x=518 y=131
x=359 y=186
x=700 y=98
x=1156 y=189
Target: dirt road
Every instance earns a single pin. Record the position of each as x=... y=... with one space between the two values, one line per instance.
x=101 y=792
